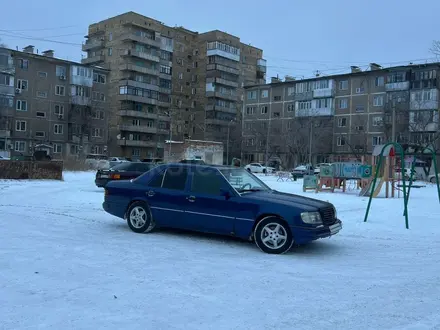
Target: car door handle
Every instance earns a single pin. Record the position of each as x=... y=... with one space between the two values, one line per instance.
x=150 y=193
x=191 y=199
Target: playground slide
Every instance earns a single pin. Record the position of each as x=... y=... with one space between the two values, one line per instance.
x=366 y=191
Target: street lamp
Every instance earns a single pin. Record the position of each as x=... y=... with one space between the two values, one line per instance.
x=168 y=113
x=227 y=142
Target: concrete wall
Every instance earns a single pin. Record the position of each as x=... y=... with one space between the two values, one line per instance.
x=11 y=169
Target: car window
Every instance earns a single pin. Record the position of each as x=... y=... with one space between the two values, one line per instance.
x=175 y=178
x=156 y=182
x=123 y=167
x=143 y=167
x=206 y=182
x=242 y=180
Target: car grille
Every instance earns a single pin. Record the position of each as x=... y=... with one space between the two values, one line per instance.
x=328 y=215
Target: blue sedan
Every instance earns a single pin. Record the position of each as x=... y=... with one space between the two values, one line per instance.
x=221 y=200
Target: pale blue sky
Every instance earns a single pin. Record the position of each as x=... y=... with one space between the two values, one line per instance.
x=297 y=36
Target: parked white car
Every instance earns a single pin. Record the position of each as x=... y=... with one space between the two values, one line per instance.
x=258 y=168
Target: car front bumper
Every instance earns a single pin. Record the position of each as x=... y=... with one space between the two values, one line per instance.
x=303 y=235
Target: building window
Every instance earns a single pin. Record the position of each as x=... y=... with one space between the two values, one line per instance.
x=59 y=111
x=165 y=69
x=58 y=129
x=340 y=141
x=41 y=114
x=264 y=93
x=290 y=91
x=252 y=95
x=57 y=148
x=21 y=105
x=276 y=114
x=110 y=51
x=42 y=94
x=98 y=114
x=360 y=108
x=40 y=134
x=290 y=107
x=343 y=85
x=22 y=84
x=60 y=71
x=110 y=36
x=20 y=146
x=99 y=78
x=136 y=122
x=20 y=125
x=250 y=142
x=277 y=98
x=180 y=75
x=193 y=91
x=342 y=122
x=378 y=100
x=377 y=121
x=60 y=90
x=377 y=140
x=42 y=74
x=264 y=110
x=250 y=110
x=379 y=81
x=343 y=103
x=23 y=64
x=136 y=152
x=97 y=132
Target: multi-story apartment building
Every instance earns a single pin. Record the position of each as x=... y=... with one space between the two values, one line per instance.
x=7 y=90
x=347 y=115
x=170 y=82
x=56 y=103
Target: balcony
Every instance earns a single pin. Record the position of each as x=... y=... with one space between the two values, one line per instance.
x=221 y=122
x=140 y=129
x=137 y=114
x=261 y=65
x=223 y=82
x=163 y=131
x=136 y=98
x=223 y=68
x=130 y=37
x=164 y=90
x=93 y=60
x=136 y=143
x=80 y=100
x=92 y=44
x=424 y=105
x=165 y=76
x=142 y=55
x=426 y=127
x=230 y=97
x=314 y=112
x=324 y=92
x=211 y=107
x=222 y=53
x=397 y=86
x=7 y=90
x=5 y=133
x=140 y=69
x=137 y=84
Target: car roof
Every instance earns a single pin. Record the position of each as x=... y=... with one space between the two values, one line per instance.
x=201 y=166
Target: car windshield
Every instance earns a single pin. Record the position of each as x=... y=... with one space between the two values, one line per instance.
x=243 y=181
x=126 y=166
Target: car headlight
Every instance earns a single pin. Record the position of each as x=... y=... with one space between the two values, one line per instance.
x=312 y=218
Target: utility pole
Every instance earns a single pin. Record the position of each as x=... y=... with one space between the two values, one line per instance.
x=393 y=125
x=267 y=138
x=227 y=142
x=310 y=141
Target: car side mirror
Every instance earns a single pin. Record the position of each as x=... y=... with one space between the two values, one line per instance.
x=225 y=193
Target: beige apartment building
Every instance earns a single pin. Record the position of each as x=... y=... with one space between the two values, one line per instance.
x=341 y=116
x=170 y=82
x=50 y=102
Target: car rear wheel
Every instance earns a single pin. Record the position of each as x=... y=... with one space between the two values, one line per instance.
x=272 y=235
x=139 y=218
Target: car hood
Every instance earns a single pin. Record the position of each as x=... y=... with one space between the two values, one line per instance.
x=275 y=197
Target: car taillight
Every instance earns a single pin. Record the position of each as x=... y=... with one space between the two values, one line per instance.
x=116 y=176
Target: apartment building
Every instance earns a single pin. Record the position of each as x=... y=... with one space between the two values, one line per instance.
x=170 y=82
x=52 y=102
x=347 y=115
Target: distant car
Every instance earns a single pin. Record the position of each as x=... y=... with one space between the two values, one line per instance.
x=221 y=200
x=432 y=178
x=4 y=158
x=302 y=170
x=259 y=168
x=122 y=171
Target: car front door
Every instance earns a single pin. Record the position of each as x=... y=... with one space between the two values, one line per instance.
x=207 y=208
x=166 y=197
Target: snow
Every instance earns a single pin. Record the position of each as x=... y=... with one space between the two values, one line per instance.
x=66 y=264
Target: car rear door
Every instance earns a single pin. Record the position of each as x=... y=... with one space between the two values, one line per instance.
x=206 y=209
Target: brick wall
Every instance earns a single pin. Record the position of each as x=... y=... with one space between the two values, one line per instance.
x=18 y=169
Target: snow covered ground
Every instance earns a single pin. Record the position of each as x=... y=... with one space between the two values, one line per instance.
x=66 y=264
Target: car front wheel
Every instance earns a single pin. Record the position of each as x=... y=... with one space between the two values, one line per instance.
x=139 y=218
x=272 y=235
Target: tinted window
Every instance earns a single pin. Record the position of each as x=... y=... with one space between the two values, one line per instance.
x=175 y=178
x=206 y=182
x=144 y=167
x=156 y=182
x=124 y=167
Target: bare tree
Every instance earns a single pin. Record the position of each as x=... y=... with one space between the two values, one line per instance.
x=435 y=48
x=356 y=142
x=3 y=44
